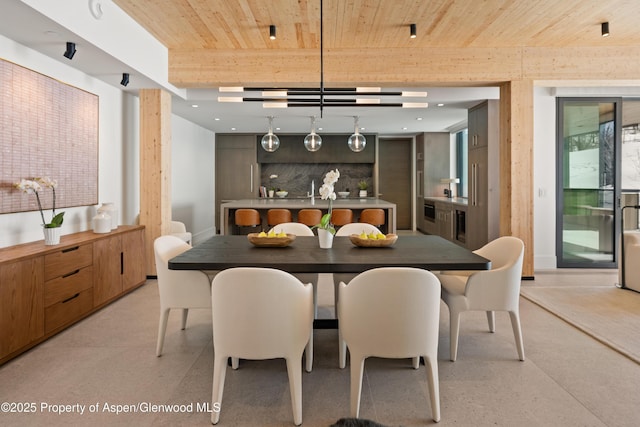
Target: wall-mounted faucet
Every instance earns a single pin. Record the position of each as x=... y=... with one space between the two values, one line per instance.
x=312 y=194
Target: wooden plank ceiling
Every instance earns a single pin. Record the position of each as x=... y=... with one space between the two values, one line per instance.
x=232 y=31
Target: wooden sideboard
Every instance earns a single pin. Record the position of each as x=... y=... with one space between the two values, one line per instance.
x=45 y=289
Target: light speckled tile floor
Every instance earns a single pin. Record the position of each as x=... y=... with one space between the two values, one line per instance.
x=568 y=378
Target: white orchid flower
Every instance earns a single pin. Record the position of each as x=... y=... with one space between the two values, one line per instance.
x=326 y=191
x=47 y=182
x=332 y=177
x=28 y=186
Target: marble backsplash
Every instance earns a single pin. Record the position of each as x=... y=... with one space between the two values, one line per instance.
x=296 y=177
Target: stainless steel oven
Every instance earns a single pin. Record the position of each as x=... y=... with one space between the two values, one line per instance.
x=430 y=212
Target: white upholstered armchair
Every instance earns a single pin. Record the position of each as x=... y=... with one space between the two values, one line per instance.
x=631 y=261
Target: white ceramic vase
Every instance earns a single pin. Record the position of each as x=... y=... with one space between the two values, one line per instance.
x=110 y=209
x=363 y=193
x=51 y=235
x=325 y=238
x=102 y=223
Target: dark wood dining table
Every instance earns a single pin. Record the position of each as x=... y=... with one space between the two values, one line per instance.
x=304 y=255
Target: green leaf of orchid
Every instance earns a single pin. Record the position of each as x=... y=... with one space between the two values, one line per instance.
x=56 y=221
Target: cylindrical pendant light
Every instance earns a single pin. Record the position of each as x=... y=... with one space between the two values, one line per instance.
x=272 y=32
x=356 y=141
x=270 y=142
x=313 y=141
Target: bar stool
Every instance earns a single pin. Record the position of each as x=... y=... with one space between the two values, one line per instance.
x=309 y=217
x=372 y=216
x=341 y=217
x=247 y=218
x=278 y=216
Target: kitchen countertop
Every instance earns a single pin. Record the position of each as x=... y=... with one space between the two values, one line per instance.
x=301 y=203
x=461 y=201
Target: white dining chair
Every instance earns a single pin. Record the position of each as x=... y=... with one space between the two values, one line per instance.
x=357 y=228
x=296 y=228
x=260 y=313
x=391 y=312
x=181 y=289
x=497 y=289
x=345 y=230
x=179 y=230
x=300 y=229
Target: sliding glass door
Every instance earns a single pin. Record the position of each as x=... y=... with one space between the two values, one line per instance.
x=588 y=182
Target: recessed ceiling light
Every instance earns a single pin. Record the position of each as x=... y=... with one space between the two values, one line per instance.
x=277 y=128
x=404 y=128
x=233 y=128
x=319 y=128
x=194 y=105
x=440 y=105
x=217 y=119
x=418 y=118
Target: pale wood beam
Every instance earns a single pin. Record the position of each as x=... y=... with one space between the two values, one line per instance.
x=155 y=168
x=516 y=165
x=470 y=66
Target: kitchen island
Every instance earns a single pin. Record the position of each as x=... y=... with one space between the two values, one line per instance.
x=262 y=205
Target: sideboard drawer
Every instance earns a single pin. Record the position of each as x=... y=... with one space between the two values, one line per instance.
x=64 y=287
x=67 y=260
x=68 y=310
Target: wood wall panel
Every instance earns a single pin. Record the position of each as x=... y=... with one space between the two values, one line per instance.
x=155 y=168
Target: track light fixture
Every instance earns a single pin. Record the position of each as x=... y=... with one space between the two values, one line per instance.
x=71 y=50
x=272 y=32
x=356 y=142
x=412 y=33
x=125 y=79
x=270 y=142
x=605 y=29
x=313 y=141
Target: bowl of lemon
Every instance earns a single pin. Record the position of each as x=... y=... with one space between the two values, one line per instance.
x=273 y=239
x=373 y=240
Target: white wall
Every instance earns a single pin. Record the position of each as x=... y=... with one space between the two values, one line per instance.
x=25 y=227
x=192 y=177
x=119 y=159
x=544 y=179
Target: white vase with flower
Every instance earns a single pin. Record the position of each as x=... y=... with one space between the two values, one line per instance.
x=326 y=230
x=34 y=186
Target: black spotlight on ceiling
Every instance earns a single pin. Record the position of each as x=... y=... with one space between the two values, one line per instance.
x=412 y=31
x=71 y=50
x=272 y=32
x=605 y=29
x=125 y=79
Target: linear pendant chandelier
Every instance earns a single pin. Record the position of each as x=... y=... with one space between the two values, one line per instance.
x=322 y=97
